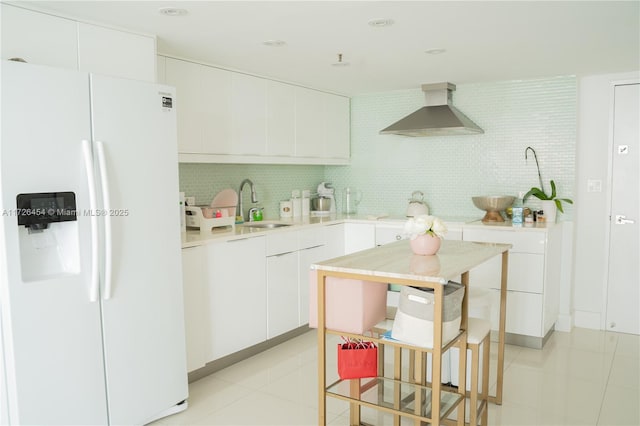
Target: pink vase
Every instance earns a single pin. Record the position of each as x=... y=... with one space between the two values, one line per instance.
x=425 y=245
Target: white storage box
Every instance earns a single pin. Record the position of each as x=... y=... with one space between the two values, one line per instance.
x=414 y=318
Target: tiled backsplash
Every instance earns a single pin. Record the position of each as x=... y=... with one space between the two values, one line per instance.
x=449 y=170
x=272 y=183
x=452 y=169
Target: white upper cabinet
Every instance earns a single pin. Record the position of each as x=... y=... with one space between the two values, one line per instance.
x=116 y=53
x=281 y=129
x=337 y=126
x=44 y=39
x=203 y=98
x=322 y=125
x=189 y=108
x=309 y=123
x=39 y=38
x=214 y=108
x=231 y=117
x=248 y=115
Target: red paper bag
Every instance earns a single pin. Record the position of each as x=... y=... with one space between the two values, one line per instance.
x=357 y=360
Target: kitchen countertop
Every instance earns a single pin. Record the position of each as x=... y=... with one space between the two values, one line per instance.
x=193 y=237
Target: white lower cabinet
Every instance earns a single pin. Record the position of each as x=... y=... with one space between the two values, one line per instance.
x=334 y=235
x=237 y=294
x=282 y=293
x=312 y=246
x=533 y=285
x=282 y=283
x=359 y=236
x=194 y=280
x=289 y=256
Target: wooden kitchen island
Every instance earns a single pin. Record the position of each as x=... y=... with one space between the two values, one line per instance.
x=413 y=398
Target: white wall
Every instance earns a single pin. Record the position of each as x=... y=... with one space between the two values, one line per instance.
x=591 y=212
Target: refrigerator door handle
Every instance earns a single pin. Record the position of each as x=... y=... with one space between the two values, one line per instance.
x=106 y=204
x=94 y=281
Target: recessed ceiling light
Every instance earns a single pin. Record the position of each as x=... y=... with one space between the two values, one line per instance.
x=274 y=43
x=340 y=62
x=173 y=11
x=382 y=22
x=435 y=51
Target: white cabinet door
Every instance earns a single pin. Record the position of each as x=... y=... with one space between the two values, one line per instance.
x=334 y=237
x=311 y=243
x=237 y=295
x=203 y=99
x=194 y=280
x=215 y=117
x=116 y=53
x=281 y=129
x=524 y=314
x=186 y=77
x=322 y=124
x=337 y=126
x=282 y=294
x=359 y=236
x=309 y=122
x=248 y=115
x=39 y=38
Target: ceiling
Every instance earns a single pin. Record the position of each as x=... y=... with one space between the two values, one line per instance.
x=484 y=41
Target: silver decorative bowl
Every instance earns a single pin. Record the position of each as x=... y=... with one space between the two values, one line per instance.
x=493 y=205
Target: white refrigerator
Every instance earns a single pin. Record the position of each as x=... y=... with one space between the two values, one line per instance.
x=91 y=304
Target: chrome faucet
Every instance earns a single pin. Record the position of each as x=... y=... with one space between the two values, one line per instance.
x=254 y=197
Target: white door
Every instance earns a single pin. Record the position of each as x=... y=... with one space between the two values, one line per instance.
x=50 y=328
x=623 y=298
x=143 y=320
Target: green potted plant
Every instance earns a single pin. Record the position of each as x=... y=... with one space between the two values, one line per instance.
x=549 y=202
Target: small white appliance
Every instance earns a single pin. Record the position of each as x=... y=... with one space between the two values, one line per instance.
x=326 y=194
x=91 y=305
x=417 y=206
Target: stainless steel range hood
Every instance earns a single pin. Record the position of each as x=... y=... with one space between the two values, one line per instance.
x=437 y=118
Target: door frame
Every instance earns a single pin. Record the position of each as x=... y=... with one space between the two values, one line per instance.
x=609 y=197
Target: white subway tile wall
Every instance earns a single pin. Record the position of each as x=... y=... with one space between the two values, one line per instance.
x=451 y=169
x=540 y=113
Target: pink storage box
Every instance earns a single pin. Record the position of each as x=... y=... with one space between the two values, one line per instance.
x=351 y=306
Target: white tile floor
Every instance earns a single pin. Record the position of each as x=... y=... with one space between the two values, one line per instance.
x=585 y=377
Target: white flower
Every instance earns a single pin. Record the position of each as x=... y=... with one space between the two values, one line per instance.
x=424 y=224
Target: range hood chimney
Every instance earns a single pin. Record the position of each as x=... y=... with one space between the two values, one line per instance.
x=437 y=118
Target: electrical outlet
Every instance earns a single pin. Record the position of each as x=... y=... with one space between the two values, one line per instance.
x=594 y=185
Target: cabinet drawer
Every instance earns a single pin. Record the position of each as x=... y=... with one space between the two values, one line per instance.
x=524 y=314
x=526 y=273
x=310 y=238
x=281 y=242
x=522 y=241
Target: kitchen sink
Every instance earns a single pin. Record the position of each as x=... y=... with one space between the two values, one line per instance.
x=266 y=225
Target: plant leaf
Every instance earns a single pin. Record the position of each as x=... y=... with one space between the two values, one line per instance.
x=553 y=190
x=536 y=192
x=558 y=205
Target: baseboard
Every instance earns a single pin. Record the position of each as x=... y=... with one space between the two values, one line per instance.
x=233 y=358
